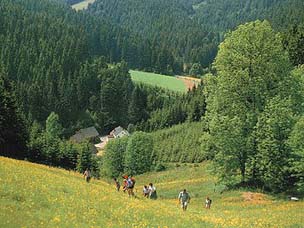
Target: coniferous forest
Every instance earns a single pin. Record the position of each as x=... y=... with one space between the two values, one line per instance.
x=62 y=70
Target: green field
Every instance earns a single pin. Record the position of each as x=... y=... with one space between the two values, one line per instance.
x=34 y=195
x=163 y=81
x=82 y=5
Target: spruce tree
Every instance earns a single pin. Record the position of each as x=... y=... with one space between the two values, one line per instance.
x=85 y=157
x=53 y=127
x=13 y=133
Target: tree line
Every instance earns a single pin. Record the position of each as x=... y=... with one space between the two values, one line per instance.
x=177 y=34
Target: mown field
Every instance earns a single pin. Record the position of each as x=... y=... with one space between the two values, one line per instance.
x=163 y=81
x=82 y=5
x=34 y=195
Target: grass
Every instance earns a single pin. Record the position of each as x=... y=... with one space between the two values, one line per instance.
x=163 y=81
x=82 y=5
x=34 y=195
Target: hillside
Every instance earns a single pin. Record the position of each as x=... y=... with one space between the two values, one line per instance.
x=222 y=15
x=189 y=31
x=237 y=137
x=179 y=143
x=173 y=38
x=34 y=195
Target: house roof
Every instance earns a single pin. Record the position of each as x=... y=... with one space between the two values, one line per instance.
x=117 y=131
x=83 y=134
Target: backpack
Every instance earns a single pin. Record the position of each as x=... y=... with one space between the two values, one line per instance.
x=130 y=183
x=210 y=201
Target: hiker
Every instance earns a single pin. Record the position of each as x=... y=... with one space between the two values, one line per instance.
x=125 y=183
x=208 y=203
x=146 y=191
x=152 y=191
x=184 y=199
x=130 y=185
x=87 y=175
x=117 y=185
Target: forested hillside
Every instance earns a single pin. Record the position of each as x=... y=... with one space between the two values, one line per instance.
x=54 y=68
x=173 y=37
x=220 y=15
x=63 y=70
x=186 y=32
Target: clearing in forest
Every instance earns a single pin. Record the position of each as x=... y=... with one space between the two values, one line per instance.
x=190 y=82
x=163 y=81
x=82 y=5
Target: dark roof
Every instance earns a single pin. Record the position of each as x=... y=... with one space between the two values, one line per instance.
x=84 y=134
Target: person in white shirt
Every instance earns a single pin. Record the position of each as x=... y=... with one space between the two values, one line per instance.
x=152 y=191
x=184 y=199
x=146 y=191
x=208 y=202
x=87 y=175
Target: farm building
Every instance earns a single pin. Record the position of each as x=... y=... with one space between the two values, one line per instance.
x=118 y=132
x=85 y=134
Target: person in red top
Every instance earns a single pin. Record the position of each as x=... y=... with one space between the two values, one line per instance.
x=125 y=183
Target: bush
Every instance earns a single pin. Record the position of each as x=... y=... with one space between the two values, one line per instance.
x=114 y=157
x=160 y=167
x=138 y=156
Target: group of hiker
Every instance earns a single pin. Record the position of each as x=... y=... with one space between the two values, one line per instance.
x=149 y=191
x=128 y=184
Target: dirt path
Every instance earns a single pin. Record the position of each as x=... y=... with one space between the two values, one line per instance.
x=189 y=82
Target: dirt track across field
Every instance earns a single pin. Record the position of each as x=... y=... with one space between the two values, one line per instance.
x=190 y=82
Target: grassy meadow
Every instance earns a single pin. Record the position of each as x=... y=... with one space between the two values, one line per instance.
x=33 y=195
x=163 y=81
x=82 y=5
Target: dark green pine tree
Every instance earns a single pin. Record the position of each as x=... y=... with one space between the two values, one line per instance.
x=13 y=134
x=137 y=106
x=294 y=44
x=85 y=157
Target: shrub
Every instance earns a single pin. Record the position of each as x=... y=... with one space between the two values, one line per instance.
x=138 y=156
x=160 y=167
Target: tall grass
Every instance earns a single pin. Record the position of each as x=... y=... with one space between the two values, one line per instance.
x=34 y=195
